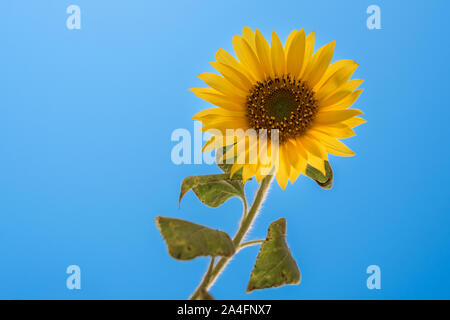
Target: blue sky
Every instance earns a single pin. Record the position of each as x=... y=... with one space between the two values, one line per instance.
x=85 y=123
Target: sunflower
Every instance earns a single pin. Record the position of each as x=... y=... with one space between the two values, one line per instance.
x=291 y=89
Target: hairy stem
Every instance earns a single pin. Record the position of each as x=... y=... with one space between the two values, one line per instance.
x=246 y=222
x=206 y=277
x=250 y=243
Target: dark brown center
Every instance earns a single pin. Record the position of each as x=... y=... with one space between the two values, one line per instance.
x=281 y=103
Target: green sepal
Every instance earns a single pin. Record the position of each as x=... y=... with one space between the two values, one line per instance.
x=213 y=189
x=186 y=240
x=274 y=265
x=324 y=181
x=224 y=166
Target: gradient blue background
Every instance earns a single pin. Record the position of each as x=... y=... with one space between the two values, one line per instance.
x=85 y=123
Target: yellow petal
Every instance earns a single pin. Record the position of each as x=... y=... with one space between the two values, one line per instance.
x=233 y=75
x=335 y=81
x=352 y=85
x=242 y=149
x=296 y=54
x=291 y=149
x=335 y=66
x=263 y=50
x=309 y=49
x=303 y=152
x=269 y=159
x=289 y=41
x=298 y=169
x=313 y=146
x=328 y=117
x=261 y=172
x=297 y=159
x=337 y=130
x=251 y=156
x=217 y=112
x=226 y=58
x=212 y=120
x=335 y=98
x=222 y=125
x=319 y=64
x=341 y=94
x=251 y=164
x=264 y=162
x=248 y=172
x=249 y=36
x=284 y=169
x=247 y=57
x=221 y=84
x=210 y=145
x=212 y=96
x=354 y=122
x=345 y=103
x=332 y=145
x=277 y=56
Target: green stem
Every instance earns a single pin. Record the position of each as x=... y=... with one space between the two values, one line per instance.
x=250 y=243
x=206 y=278
x=247 y=220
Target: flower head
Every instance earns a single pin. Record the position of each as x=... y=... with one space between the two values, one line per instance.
x=290 y=91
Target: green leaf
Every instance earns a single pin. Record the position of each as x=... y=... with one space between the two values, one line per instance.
x=324 y=181
x=213 y=189
x=187 y=240
x=274 y=265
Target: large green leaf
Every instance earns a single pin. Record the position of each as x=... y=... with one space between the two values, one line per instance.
x=274 y=265
x=213 y=189
x=187 y=240
x=324 y=181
